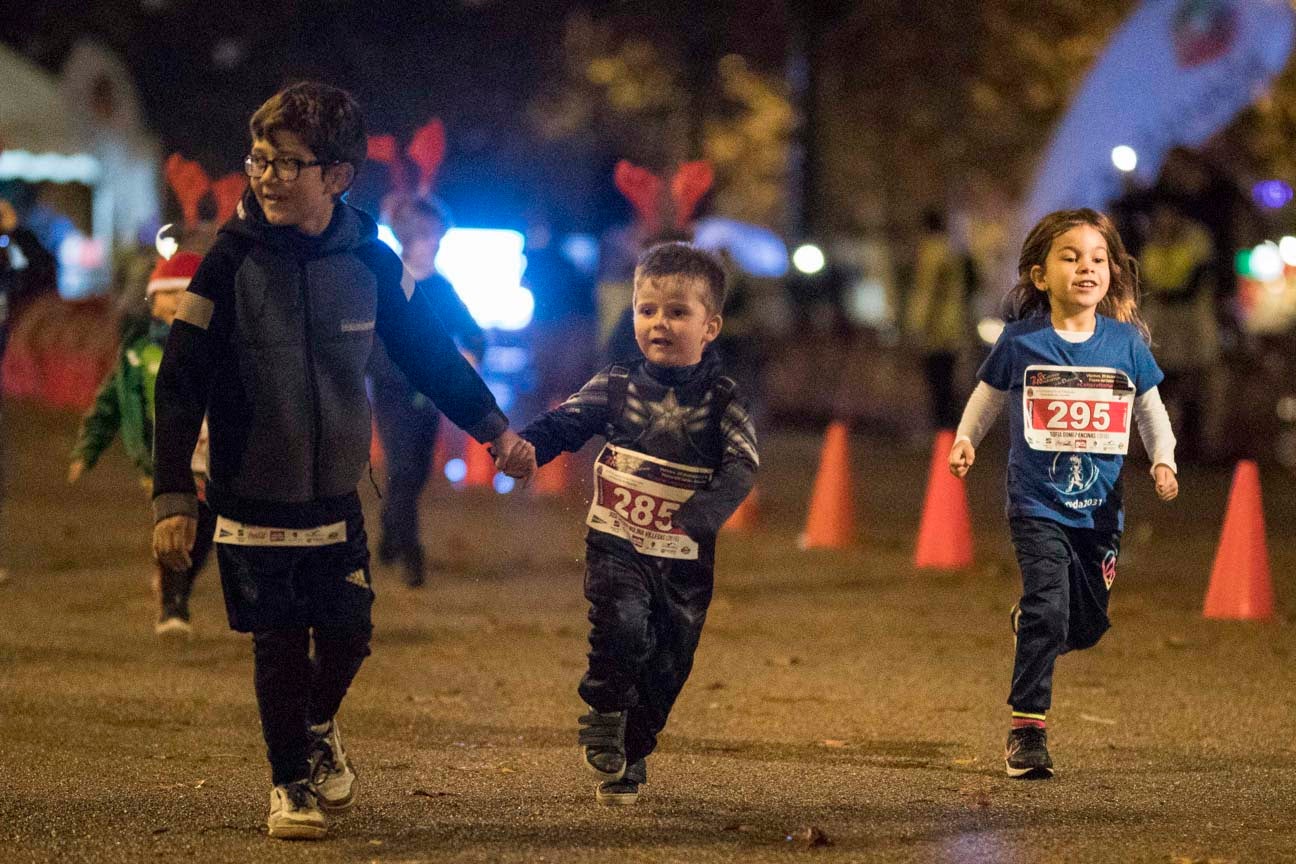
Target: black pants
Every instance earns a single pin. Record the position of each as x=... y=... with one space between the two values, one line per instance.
x=938 y=369
x=284 y=596
x=647 y=615
x=408 y=432
x=177 y=585
x=1066 y=579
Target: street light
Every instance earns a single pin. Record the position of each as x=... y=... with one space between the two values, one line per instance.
x=808 y=258
x=1124 y=158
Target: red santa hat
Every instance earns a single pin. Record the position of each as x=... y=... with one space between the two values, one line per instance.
x=173 y=274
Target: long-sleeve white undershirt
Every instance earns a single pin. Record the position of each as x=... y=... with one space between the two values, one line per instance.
x=1149 y=415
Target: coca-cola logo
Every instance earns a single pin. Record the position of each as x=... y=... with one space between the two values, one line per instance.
x=1204 y=31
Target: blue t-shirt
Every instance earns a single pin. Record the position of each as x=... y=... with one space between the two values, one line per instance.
x=1070 y=409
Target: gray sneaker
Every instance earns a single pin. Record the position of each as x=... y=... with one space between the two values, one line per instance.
x=602 y=739
x=332 y=776
x=623 y=792
x=295 y=813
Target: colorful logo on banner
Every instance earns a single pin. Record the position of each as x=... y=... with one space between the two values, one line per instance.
x=1203 y=31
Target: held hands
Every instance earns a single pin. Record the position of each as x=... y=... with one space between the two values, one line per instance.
x=1167 y=484
x=514 y=455
x=961 y=457
x=173 y=538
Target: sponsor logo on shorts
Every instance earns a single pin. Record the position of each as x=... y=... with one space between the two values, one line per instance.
x=1109 y=568
x=357 y=578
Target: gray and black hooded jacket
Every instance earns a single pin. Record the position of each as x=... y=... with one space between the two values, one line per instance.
x=271 y=342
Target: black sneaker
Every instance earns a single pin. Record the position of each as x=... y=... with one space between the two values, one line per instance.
x=1026 y=756
x=623 y=792
x=602 y=739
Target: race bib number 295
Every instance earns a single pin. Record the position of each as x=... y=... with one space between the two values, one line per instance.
x=1077 y=408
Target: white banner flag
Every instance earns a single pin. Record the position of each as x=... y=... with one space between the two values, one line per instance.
x=1173 y=75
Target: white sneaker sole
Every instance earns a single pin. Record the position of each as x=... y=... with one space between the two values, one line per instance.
x=616 y=799
x=297 y=831
x=173 y=628
x=334 y=805
x=1028 y=773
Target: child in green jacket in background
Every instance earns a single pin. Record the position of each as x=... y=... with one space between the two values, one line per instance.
x=124 y=404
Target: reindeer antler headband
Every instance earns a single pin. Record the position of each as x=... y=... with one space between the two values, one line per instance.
x=648 y=193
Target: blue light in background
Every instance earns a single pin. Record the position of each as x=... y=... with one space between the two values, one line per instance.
x=1273 y=194
x=456 y=470
x=485 y=267
x=757 y=250
x=582 y=250
x=388 y=236
x=504 y=484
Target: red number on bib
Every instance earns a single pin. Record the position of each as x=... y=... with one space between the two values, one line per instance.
x=1078 y=416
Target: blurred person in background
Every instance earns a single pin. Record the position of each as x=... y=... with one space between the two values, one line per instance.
x=407 y=420
x=938 y=320
x=27 y=269
x=1178 y=278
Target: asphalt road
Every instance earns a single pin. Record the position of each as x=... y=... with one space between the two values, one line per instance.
x=840 y=692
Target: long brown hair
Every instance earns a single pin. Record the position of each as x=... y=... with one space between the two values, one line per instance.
x=1024 y=300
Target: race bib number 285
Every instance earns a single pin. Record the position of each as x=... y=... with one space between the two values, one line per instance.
x=636 y=496
x=1077 y=408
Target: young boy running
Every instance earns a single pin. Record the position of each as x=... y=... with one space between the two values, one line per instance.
x=679 y=459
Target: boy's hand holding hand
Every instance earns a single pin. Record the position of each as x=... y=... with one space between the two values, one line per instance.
x=1167 y=484
x=173 y=537
x=961 y=457
x=515 y=456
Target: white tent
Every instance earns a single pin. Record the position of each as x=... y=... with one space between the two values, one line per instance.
x=83 y=127
x=36 y=140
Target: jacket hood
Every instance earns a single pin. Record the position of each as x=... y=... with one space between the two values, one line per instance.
x=350 y=229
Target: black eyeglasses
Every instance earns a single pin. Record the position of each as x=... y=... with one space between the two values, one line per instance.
x=286 y=168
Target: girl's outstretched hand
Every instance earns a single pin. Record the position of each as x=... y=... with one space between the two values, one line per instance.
x=961 y=457
x=1167 y=484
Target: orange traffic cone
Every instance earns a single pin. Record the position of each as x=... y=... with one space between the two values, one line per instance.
x=441 y=449
x=555 y=477
x=945 y=531
x=479 y=464
x=376 y=456
x=830 y=524
x=747 y=516
x=1239 y=583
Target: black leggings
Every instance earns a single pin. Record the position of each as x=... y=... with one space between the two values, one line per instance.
x=294 y=689
x=646 y=615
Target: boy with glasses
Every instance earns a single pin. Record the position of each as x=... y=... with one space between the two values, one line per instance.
x=271 y=341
